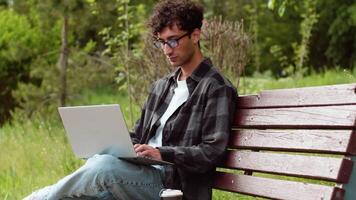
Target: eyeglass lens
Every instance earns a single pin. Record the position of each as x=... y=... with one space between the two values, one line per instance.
x=172 y=43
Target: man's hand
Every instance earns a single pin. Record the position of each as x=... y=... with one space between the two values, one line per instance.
x=146 y=150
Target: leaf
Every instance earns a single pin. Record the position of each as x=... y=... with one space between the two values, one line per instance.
x=282 y=9
x=271 y=4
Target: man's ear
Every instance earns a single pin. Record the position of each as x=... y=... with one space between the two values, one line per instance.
x=196 y=35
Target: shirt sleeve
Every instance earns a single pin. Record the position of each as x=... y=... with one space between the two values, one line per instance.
x=137 y=132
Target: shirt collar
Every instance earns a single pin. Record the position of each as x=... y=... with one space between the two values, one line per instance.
x=197 y=74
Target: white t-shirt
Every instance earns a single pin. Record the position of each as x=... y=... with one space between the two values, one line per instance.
x=180 y=95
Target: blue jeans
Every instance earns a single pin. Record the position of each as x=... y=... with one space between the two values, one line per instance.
x=107 y=178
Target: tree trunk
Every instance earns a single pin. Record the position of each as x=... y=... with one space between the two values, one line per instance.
x=63 y=63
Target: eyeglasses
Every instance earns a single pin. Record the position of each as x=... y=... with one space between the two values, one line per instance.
x=172 y=43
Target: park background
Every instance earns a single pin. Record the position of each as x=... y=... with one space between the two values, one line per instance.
x=84 y=52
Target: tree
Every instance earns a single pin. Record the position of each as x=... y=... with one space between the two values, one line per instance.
x=62 y=28
x=340 y=35
x=122 y=43
x=19 y=45
x=327 y=32
x=64 y=9
x=4 y=3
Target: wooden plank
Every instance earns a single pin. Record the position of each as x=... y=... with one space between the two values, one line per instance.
x=315 y=167
x=350 y=192
x=324 y=117
x=318 y=141
x=308 y=96
x=275 y=189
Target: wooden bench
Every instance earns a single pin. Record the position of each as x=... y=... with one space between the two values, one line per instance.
x=304 y=137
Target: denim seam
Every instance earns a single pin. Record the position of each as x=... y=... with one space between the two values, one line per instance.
x=133 y=183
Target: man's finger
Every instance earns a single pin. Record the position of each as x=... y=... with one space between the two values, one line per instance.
x=143 y=147
x=136 y=146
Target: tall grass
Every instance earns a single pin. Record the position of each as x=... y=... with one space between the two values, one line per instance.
x=35 y=153
x=259 y=82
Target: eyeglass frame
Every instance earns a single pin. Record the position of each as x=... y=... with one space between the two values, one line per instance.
x=159 y=43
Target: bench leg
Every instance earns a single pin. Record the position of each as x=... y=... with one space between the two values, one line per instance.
x=350 y=188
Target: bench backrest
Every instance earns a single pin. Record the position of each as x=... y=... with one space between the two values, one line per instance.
x=307 y=133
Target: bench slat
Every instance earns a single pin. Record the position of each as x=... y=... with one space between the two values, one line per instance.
x=309 y=96
x=276 y=189
x=328 y=117
x=318 y=141
x=322 y=168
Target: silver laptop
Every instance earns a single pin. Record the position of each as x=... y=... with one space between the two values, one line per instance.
x=101 y=129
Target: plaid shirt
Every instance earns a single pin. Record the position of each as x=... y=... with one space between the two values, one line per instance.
x=195 y=137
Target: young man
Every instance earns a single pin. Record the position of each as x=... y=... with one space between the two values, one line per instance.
x=185 y=120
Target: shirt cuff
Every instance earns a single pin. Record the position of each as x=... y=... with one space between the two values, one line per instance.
x=167 y=153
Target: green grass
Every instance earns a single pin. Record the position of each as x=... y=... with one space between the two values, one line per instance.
x=35 y=153
x=259 y=82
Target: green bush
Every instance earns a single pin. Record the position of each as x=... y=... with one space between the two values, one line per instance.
x=19 y=45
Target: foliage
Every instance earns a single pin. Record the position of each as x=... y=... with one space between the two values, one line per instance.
x=17 y=50
x=282 y=6
x=86 y=68
x=272 y=36
x=310 y=17
x=84 y=71
x=341 y=32
x=332 y=36
x=310 y=36
x=128 y=27
x=120 y=43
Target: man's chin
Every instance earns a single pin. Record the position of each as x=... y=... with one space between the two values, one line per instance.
x=175 y=64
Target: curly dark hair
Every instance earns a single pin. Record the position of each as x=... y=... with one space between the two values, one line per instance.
x=186 y=14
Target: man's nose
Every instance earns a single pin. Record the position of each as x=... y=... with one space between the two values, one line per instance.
x=167 y=49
